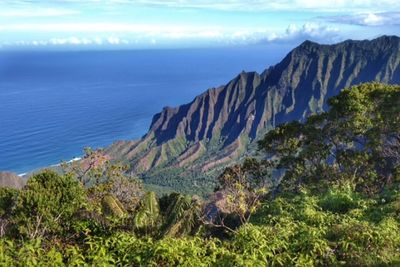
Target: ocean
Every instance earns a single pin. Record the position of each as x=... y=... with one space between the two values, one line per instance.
x=55 y=103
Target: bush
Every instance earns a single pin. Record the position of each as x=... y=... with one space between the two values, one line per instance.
x=340 y=199
x=47 y=204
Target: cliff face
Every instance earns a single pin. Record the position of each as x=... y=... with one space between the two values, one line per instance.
x=218 y=125
x=11 y=180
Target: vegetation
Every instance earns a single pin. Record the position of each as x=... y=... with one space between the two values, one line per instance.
x=322 y=193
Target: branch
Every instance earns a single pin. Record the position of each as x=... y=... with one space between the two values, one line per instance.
x=220 y=225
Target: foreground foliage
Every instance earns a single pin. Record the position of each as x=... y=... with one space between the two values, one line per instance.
x=334 y=202
x=339 y=227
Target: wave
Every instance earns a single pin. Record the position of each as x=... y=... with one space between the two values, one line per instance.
x=74 y=159
x=69 y=161
x=53 y=165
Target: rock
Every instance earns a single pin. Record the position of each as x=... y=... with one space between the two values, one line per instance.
x=11 y=180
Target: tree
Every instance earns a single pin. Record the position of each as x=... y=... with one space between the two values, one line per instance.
x=8 y=200
x=90 y=169
x=148 y=214
x=182 y=214
x=47 y=203
x=357 y=140
x=112 y=206
x=128 y=190
x=104 y=178
x=238 y=196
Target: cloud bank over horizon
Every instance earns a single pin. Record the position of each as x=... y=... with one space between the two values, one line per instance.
x=190 y=23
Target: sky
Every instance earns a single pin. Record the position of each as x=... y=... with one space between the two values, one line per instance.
x=117 y=24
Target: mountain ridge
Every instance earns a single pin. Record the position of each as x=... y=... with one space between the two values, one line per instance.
x=219 y=125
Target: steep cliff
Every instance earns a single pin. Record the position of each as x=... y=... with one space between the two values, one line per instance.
x=186 y=145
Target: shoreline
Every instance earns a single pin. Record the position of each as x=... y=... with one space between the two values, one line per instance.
x=53 y=165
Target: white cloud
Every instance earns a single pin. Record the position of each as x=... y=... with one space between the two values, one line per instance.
x=271 y=5
x=308 y=31
x=124 y=34
x=98 y=41
x=73 y=41
x=98 y=27
x=164 y=31
x=37 y=12
x=113 y=40
x=229 y=5
x=366 y=19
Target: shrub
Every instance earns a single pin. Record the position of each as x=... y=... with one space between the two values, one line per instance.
x=47 y=203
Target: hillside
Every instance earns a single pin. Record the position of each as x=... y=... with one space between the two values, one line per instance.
x=11 y=180
x=187 y=145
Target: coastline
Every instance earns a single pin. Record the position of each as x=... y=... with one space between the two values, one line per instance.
x=24 y=174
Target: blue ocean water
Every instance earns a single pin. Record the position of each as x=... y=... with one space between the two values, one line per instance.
x=53 y=104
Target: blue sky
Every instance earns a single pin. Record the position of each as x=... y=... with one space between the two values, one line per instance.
x=102 y=24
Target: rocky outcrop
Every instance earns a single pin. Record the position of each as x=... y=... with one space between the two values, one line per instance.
x=11 y=180
x=218 y=125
